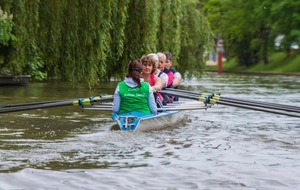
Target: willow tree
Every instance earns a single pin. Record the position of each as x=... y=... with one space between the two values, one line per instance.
x=196 y=38
x=185 y=32
x=24 y=49
x=50 y=34
x=84 y=33
x=95 y=39
x=170 y=27
x=82 y=41
x=150 y=25
x=104 y=24
x=141 y=28
x=115 y=62
x=6 y=36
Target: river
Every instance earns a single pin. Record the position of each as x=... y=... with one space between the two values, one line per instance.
x=220 y=148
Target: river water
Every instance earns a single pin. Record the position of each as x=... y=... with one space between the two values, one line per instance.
x=220 y=148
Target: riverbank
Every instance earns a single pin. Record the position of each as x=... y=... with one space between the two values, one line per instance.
x=279 y=63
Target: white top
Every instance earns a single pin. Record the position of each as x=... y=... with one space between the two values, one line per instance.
x=164 y=77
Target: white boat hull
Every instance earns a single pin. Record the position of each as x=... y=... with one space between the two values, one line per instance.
x=132 y=122
x=163 y=120
x=168 y=116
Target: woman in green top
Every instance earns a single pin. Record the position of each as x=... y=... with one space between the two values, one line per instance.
x=133 y=95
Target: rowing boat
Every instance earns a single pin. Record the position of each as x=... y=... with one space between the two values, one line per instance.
x=168 y=116
x=133 y=122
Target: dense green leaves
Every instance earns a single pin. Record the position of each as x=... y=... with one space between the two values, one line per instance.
x=6 y=26
x=249 y=28
x=286 y=18
x=91 y=40
x=196 y=39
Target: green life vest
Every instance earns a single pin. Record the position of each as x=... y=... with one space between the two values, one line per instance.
x=134 y=99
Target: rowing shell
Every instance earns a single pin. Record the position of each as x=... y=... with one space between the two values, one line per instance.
x=132 y=122
x=168 y=116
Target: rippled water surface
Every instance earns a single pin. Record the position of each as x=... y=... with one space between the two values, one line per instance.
x=219 y=148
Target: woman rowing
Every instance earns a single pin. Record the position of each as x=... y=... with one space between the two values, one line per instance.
x=161 y=67
x=168 y=68
x=172 y=73
x=148 y=75
x=159 y=73
x=133 y=95
x=148 y=71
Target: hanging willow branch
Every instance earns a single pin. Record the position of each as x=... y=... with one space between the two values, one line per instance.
x=196 y=38
x=84 y=41
x=116 y=65
x=170 y=28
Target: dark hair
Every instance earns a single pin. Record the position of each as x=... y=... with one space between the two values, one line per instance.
x=134 y=71
x=149 y=59
x=168 y=55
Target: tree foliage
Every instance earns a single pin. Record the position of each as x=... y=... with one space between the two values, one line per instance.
x=286 y=18
x=250 y=27
x=195 y=40
x=88 y=40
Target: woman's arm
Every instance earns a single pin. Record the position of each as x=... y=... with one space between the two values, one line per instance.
x=177 y=79
x=117 y=101
x=164 y=77
x=151 y=102
x=158 y=84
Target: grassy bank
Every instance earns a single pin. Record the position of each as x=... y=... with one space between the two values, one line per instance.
x=278 y=63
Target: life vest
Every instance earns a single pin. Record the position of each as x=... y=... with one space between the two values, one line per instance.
x=134 y=99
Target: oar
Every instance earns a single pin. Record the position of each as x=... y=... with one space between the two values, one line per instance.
x=32 y=103
x=79 y=102
x=176 y=106
x=100 y=108
x=259 y=106
x=218 y=100
x=246 y=102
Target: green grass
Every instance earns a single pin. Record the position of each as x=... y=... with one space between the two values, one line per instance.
x=278 y=63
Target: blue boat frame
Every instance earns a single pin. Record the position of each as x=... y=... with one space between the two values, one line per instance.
x=131 y=121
